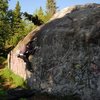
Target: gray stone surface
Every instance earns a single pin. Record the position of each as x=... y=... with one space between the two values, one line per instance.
x=68 y=57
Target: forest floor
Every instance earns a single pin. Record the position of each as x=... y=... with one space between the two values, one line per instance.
x=5 y=83
x=8 y=80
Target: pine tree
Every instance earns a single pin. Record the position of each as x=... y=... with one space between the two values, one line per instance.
x=17 y=26
x=51 y=7
x=3 y=7
x=4 y=23
x=17 y=20
x=39 y=12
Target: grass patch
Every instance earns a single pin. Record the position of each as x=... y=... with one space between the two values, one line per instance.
x=9 y=76
x=9 y=80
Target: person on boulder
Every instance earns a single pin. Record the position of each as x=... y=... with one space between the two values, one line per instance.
x=25 y=52
x=21 y=52
x=30 y=49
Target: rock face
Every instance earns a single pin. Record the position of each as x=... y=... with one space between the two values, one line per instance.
x=67 y=60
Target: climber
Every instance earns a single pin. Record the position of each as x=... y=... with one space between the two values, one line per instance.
x=31 y=48
x=25 y=52
x=21 y=52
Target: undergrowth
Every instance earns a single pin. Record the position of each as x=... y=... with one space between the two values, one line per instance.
x=8 y=75
x=9 y=80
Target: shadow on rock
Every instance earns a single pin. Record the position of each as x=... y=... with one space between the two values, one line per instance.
x=18 y=93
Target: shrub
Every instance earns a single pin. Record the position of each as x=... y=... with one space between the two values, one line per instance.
x=8 y=75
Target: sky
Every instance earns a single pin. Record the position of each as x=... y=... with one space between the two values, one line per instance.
x=30 y=6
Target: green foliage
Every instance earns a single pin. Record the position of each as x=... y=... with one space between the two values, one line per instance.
x=28 y=27
x=3 y=7
x=4 y=24
x=51 y=7
x=7 y=76
x=42 y=16
x=39 y=12
x=13 y=40
x=14 y=79
x=18 y=26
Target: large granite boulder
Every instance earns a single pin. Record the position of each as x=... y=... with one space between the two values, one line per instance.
x=67 y=60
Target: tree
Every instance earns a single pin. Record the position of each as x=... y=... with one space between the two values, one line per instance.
x=51 y=7
x=18 y=26
x=3 y=7
x=4 y=23
x=40 y=13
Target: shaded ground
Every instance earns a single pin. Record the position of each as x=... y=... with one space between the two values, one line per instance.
x=4 y=86
x=8 y=80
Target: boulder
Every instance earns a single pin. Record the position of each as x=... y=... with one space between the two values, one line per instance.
x=67 y=58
